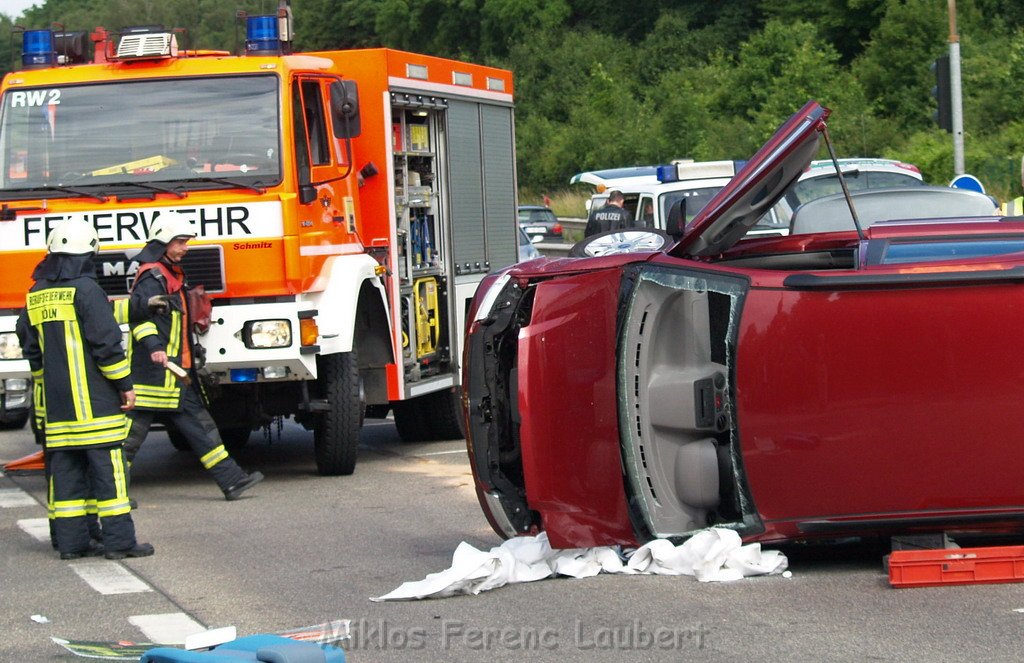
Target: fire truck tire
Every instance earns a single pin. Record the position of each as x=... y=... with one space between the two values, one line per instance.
x=436 y=416
x=234 y=438
x=178 y=440
x=336 y=431
x=411 y=420
x=446 y=423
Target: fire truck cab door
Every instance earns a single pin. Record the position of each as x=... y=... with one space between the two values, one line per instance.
x=321 y=159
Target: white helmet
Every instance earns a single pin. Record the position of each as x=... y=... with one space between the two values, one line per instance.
x=164 y=230
x=74 y=238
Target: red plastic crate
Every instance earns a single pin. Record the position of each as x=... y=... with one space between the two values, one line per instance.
x=956 y=566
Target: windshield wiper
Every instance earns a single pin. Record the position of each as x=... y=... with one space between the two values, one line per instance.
x=225 y=180
x=84 y=193
x=147 y=185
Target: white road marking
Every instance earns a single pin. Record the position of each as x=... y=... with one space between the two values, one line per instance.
x=37 y=528
x=110 y=578
x=167 y=629
x=442 y=453
x=15 y=497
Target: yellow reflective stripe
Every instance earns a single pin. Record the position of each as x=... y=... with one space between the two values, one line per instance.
x=49 y=500
x=39 y=401
x=214 y=456
x=90 y=506
x=96 y=423
x=88 y=437
x=38 y=375
x=157 y=397
x=174 y=342
x=115 y=510
x=121 y=311
x=76 y=370
x=51 y=305
x=69 y=509
x=117 y=370
x=144 y=330
x=120 y=480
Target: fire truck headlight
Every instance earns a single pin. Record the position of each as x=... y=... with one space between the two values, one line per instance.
x=10 y=348
x=258 y=334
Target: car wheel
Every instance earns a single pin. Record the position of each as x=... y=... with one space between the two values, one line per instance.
x=336 y=431
x=614 y=242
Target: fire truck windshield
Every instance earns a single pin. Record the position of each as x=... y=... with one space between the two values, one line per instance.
x=189 y=133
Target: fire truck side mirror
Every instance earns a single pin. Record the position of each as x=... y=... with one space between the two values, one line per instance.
x=345 y=108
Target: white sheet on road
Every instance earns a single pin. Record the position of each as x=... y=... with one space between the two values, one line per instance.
x=711 y=555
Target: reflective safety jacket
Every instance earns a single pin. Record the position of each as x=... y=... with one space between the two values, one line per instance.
x=73 y=346
x=156 y=388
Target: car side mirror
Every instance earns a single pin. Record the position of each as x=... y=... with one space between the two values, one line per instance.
x=675 y=224
x=345 y=108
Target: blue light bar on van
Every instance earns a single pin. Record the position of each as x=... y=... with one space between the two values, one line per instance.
x=668 y=174
x=698 y=170
x=262 y=35
x=37 y=49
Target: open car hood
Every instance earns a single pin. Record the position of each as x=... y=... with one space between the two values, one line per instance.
x=756 y=187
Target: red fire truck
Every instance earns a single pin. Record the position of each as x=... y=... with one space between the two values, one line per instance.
x=346 y=204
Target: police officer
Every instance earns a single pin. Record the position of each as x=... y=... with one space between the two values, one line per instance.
x=609 y=217
x=86 y=390
x=161 y=335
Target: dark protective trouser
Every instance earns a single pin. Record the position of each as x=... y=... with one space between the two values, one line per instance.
x=198 y=428
x=92 y=515
x=78 y=476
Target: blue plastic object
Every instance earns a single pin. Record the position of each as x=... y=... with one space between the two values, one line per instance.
x=37 y=49
x=251 y=649
x=244 y=374
x=668 y=173
x=261 y=35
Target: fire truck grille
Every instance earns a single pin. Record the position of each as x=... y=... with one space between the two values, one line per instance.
x=204 y=266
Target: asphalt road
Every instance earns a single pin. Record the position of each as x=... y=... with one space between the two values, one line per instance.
x=301 y=549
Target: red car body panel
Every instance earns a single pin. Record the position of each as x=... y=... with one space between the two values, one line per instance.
x=570 y=427
x=835 y=422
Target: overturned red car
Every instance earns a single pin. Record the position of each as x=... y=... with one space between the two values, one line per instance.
x=861 y=382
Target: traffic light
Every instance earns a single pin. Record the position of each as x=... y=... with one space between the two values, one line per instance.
x=941 y=92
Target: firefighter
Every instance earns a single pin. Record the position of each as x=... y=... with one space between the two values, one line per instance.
x=161 y=335
x=86 y=388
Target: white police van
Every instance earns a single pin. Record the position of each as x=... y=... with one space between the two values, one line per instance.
x=651 y=191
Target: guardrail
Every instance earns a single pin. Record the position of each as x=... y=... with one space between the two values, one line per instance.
x=561 y=249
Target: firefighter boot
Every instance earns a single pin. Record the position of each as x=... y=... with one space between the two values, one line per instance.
x=250 y=480
x=138 y=550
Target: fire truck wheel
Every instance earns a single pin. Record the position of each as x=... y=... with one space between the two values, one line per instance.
x=436 y=416
x=447 y=423
x=336 y=431
x=178 y=440
x=234 y=438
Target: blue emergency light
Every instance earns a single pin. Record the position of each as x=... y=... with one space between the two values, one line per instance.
x=668 y=173
x=262 y=35
x=244 y=374
x=37 y=49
